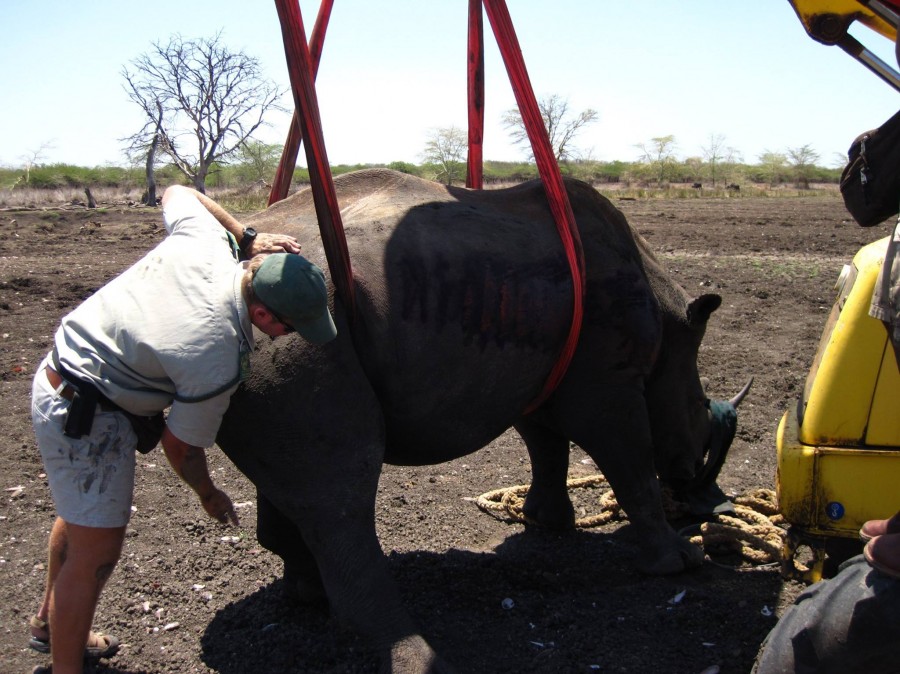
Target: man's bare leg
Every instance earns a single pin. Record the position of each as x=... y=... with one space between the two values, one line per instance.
x=56 y=555
x=86 y=557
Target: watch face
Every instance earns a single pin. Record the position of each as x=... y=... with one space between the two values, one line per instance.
x=248 y=237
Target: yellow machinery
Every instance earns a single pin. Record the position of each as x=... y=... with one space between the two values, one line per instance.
x=839 y=447
x=827 y=21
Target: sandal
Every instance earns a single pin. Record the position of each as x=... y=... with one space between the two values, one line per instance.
x=109 y=647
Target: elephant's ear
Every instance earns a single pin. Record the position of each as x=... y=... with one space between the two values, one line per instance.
x=700 y=308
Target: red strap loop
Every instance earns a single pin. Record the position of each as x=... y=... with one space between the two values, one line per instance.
x=321 y=183
x=281 y=185
x=302 y=68
x=475 y=80
x=551 y=178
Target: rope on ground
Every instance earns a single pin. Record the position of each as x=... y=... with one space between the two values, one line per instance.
x=754 y=530
x=507 y=503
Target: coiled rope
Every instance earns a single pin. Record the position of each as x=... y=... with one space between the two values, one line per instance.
x=754 y=530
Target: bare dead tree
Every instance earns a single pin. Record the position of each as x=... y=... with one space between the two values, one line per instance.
x=713 y=152
x=202 y=101
x=34 y=157
x=150 y=197
x=140 y=149
x=562 y=127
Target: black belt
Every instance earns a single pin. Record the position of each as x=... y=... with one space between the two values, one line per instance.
x=85 y=397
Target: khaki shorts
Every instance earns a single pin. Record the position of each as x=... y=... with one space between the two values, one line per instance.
x=91 y=478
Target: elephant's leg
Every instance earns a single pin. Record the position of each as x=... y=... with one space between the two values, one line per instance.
x=608 y=419
x=317 y=459
x=331 y=504
x=276 y=532
x=547 y=502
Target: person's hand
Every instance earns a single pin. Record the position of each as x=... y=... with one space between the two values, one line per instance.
x=218 y=506
x=273 y=243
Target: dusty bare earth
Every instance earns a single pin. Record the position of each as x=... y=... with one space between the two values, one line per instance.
x=191 y=595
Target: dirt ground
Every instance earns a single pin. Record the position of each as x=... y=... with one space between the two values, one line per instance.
x=191 y=595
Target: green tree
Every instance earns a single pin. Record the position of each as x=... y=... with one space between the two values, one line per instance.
x=562 y=126
x=211 y=98
x=404 y=167
x=692 y=170
x=659 y=156
x=773 y=164
x=445 y=149
x=732 y=165
x=260 y=160
x=803 y=162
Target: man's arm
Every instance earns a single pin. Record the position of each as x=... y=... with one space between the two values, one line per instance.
x=264 y=243
x=189 y=463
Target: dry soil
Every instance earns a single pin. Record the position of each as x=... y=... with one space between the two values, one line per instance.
x=191 y=595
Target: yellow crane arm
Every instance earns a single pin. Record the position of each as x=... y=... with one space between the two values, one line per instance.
x=827 y=21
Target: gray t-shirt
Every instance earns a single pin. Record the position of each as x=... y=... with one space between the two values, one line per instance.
x=171 y=330
x=886 y=297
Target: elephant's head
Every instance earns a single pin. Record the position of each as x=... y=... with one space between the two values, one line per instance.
x=691 y=433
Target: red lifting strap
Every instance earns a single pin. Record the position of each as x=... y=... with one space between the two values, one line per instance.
x=551 y=178
x=321 y=183
x=302 y=68
x=281 y=186
x=475 y=79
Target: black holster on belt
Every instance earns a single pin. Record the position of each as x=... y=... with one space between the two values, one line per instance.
x=86 y=397
x=148 y=430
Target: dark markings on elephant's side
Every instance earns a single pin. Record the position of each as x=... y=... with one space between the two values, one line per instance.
x=490 y=301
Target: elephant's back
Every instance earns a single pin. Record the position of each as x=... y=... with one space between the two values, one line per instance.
x=463 y=298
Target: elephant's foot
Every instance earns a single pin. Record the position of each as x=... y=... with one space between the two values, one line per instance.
x=665 y=553
x=549 y=508
x=413 y=655
x=304 y=588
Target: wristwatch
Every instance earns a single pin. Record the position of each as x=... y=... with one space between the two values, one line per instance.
x=247 y=238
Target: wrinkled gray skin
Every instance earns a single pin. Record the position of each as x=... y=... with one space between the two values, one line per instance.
x=464 y=300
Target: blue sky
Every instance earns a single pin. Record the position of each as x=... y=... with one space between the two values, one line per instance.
x=394 y=69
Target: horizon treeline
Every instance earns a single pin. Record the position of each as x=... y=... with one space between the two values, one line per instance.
x=596 y=172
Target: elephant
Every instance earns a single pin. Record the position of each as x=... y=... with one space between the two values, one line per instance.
x=463 y=300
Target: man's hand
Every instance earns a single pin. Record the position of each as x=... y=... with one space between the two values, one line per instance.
x=189 y=463
x=218 y=506
x=273 y=243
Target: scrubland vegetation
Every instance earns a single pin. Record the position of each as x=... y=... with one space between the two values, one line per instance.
x=245 y=186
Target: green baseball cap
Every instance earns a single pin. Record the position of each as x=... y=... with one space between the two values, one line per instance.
x=293 y=288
